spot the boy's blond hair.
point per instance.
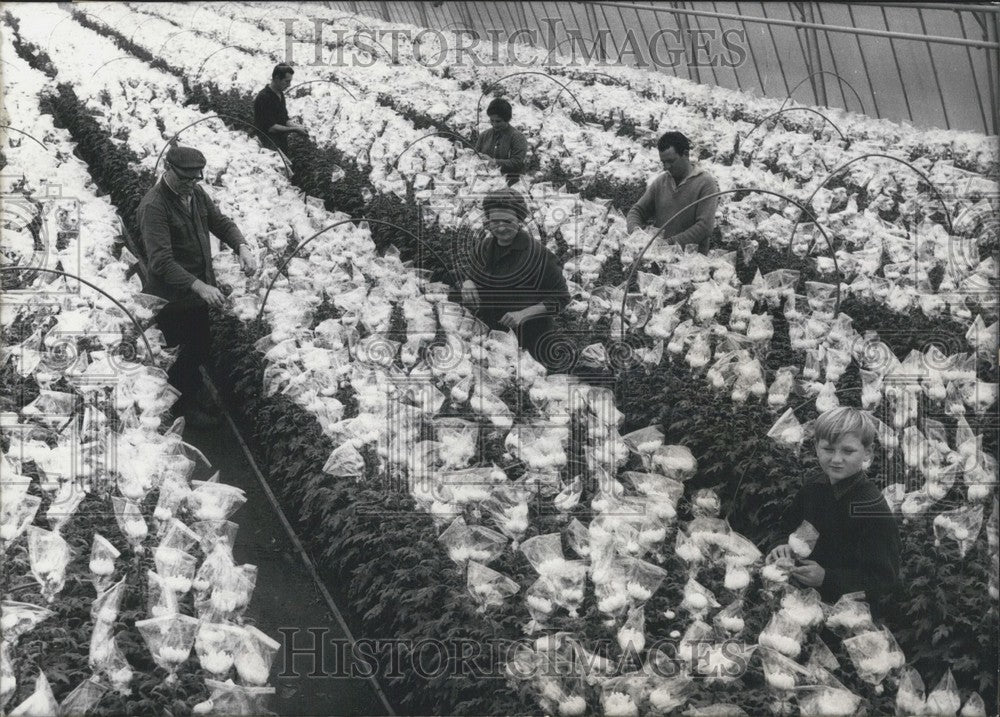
(837, 422)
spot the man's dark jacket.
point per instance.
(176, 241)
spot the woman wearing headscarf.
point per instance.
(512, 280)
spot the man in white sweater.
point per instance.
(680, 184)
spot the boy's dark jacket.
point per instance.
(858, 545)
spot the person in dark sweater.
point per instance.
(503, 143)
(513, 281)
(175, 219)
(858, 545)
(270, 114)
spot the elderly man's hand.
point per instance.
(247, 260)
(210, 294)
(513, 319)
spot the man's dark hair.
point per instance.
(501, 108)
(680, 143)
(280, 70)
(506, 199)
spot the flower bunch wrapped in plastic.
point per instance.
(107, 659)
(130, 522)
(643, 580)
(488, 587)
(40, 703)
(781, 386)
(782, 673)
(787, 431)
(49, 555)
(850, 615)
(632, 635)
(749, 381)
(783, 635)
(176, 568)
(826, 701)
(18, 618)
(803, 607)
(803, 539)
(228, 698)
(729, 620)
(675, 462)
(458, 441)
(544, 552)
(875, 654)
(542, 601)
(961, 525)
(508, 507)
(231, 591)
(464, 542)
(108, 602)
(17, 510)
(216, 645)
(169, 639)
(541, 448)
(911, 698)
(645, 442)
(254, 656)
(698, 599)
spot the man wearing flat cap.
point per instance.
(175, 218)
(513, 281)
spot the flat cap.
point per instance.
(185, 157)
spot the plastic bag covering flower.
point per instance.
(83, 698)
(17, 511)
(476, 542)
(676, 462)
(803, 607)
(487, 587)
(107, 604)
(216, 645)
(782, 635)
(911, 698)
(823, 701)
(730, 618)
(41, 702)
(169, 639)
(48, 554)
(254, 659)
(780, 672)
(698, 599)
(130, 522)
(875, 654)
(18, 618)
(850, 615)
(803, 540)
(214, 501)
(961, 525)
(106, 658)
(228, 698)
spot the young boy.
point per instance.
(858, 544)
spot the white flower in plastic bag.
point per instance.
(488, 587)
(41, 702)
(49, 555)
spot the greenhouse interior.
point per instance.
(509, 358)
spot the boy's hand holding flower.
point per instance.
(782, 551)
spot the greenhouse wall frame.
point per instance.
(916, 63)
